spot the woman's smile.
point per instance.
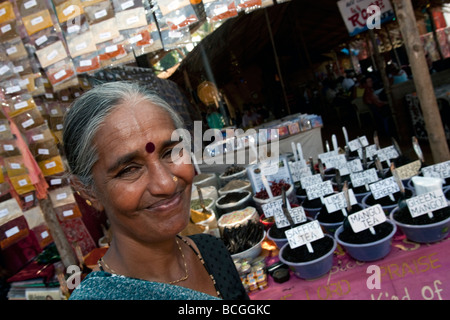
(167, 204)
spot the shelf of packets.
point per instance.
(66, 38)
(17, 182)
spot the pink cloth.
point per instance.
(411, 271)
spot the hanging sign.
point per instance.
(361, 15)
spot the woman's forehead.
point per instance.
(128, 123)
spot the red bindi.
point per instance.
(150, 147)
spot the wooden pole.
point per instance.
(62, 244)
(422, 80)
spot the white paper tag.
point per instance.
(426, 203)
(310, 180)
(438, 170)
(304, 234)
(367, 218)
(384, 188)
(365, 177)
(337, 201)
(272, 207)
(319, 190)
(12, 231)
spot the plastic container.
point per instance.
(206, 180)
(371, 251)
(311, 269)
(425, 233)
(245, 201)
(290, 195)
(369, 201)
(280, 242)
(241, 175)
(251, 253)
(246, 186)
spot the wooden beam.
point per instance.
(422, 80)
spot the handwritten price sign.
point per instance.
(304, 234)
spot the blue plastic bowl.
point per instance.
(426, 233)
(367, 251)
(311, 269)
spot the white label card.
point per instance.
(426, 202)
(272, 207)
(367, 218)
(299, 171)
(365, 177)
(337, 201)
(319, 190)
(304, 234)
(438, 170)
(356, 144)
(310, 180)
(384, 188)
(387, 153)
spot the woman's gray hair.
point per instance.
(87, 114)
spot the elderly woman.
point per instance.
(117, 140)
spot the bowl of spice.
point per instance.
(235, 185)
(231, 173)
(233, 201)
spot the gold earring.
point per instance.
(175, 179)
(89, 203)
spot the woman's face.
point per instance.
(134, 184)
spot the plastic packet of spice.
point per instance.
(248, 5)
(99, 12)
(56, 123)
(15, 166)
(68, 211)
(13, 87)
(9, 210)
(44, 38)
(6, 12)
(105, 31)
(14, 49)
(68, 10)
(38, 134)
(121, 5)
(28, 119)
(26, 66)
(27, 7)
(22, 183)
(5, 130)
(51, 166)
(42, 234)
(61, 71)
(114, 49)
(52, 108)
(81, 44)
(217, 10)
(172, 39)
(34, 216)
(44, 150)
(132, 18)
(154, 45)
(57, 181)
(20, 103)
(51, 54)
(8, 148)
(37, 21)
(74, 26)
(13, 231)
(178, 18)
(61, 196)
(9, 30)
(28, 200)
(87, 63)
(6, 70)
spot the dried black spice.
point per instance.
(301, 254)
(232, 197)
(243, 237)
